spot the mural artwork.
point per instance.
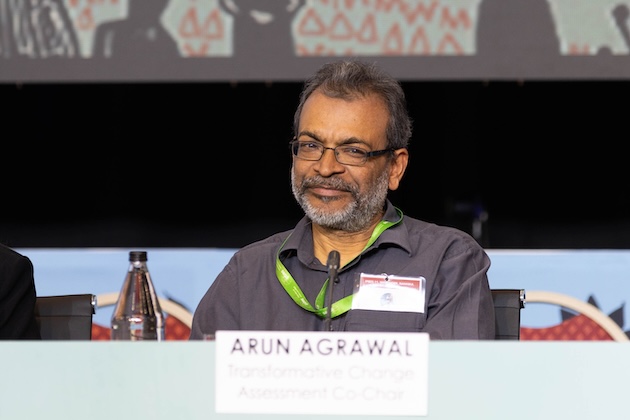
(219, 40)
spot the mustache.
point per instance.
(319, 181)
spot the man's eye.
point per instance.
(310, 146)
(353, 151)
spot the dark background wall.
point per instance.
(207, 164)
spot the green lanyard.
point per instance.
(339, 307)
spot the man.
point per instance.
(396, 273)
(17, 297)
(141, 35)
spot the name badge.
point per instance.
(382, 292)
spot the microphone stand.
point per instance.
(333, 266)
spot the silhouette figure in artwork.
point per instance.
(140, 36)
(516, 29)
(36, 29)
(620, 15)
(262, 29)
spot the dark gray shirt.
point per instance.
(247, 294)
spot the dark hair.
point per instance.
(347, 79)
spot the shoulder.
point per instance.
(253, 259)
(9, 255)
(450, 239)
(263, 247)
(15, 269)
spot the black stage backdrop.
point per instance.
(538, 164)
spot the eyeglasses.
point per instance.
(345, 154)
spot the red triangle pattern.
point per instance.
(174, 330)
(578, 328)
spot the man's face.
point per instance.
(333, 194)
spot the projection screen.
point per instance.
(284, 40)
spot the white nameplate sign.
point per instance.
(350, 373)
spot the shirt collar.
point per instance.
(397, 235)
(302, 237)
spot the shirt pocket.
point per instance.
(384, 321)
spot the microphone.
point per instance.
(333, 267)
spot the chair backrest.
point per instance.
(507, 313)
(65, 317)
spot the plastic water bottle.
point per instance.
(137, 315)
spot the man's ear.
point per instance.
(397, 167)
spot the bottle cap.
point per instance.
(137, 256)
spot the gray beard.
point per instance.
(357, 216)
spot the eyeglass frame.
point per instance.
(368, 155)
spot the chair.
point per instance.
(507, 313)
(65, 317)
